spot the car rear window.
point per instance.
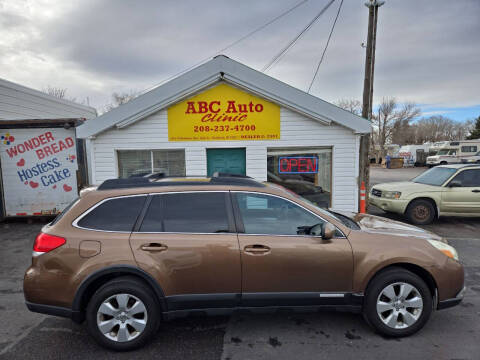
(188, 213)
(117, 214)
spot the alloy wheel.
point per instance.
(122, 317)
(399, 305)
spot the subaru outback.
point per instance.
(133, 253)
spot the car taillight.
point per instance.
(46, 242)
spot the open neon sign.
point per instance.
(298, 165)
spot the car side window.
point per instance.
(187, 213)
(117, 214)
(468, 178)
(265, 214)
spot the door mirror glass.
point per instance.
(328, 231)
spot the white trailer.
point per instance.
(38, 169)
(409, 153)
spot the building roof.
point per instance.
(19, 103)
(222, 68)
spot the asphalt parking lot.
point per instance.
(450, 334)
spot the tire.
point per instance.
(398, 319)
(131, 328)
(420, 212)
(443, 163)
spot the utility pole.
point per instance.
(364, 175)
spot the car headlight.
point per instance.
(391, 194)
(445, 248)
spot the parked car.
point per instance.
(446, 190)
(136, 252)
(475, 159)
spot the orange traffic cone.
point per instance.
(363, 205)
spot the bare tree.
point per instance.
(441, 128)
(352, 105)
(61, 93)
(120, 99)
(55, 91)
(391, 122)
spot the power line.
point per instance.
(286, 12)
(278, 56)
(326, 46)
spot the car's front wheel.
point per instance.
(421, 212)
(123, 314)
(397, 303)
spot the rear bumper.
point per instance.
(76, 316)
(445, 304)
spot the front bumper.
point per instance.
(445, 304)
(391, 205)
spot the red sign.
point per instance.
(298, 165)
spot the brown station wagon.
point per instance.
(135, 252)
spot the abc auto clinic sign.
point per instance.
(223, 113)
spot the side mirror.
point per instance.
(327, 231)
(454, 184)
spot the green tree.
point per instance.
(475, 133)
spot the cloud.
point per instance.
(427, 52)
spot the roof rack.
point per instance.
(147, 181)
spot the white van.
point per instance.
(454, 152)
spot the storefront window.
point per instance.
(141, 162)
(306, 171)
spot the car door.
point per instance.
(281, 265)
(187, 242)
(464, 197)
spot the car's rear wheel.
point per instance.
(398, 303)
(420, 212)
(123, 314)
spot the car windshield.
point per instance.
(434, 176)
(443, 152)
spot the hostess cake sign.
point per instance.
(38, 170)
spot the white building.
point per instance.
(18, 102)
(225, 116)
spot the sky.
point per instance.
(428, 52)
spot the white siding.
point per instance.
(18, 102)
(296, 131)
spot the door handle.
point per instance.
(256, 249)
(154, 247)
(476, 191)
